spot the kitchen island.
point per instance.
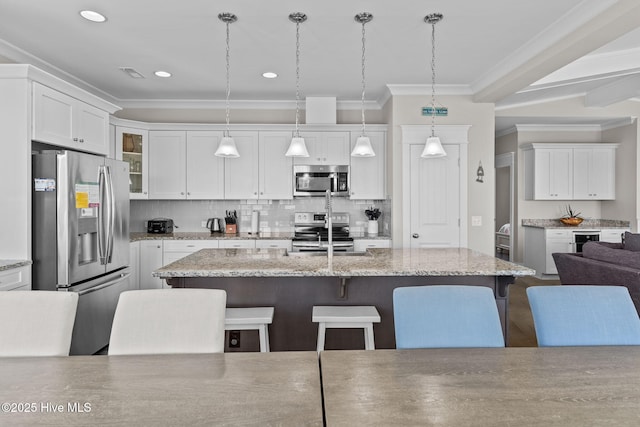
(294, 283)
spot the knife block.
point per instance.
(231, 229)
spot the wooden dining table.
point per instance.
(561, 386)
(166, 390)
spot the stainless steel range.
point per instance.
(312, 235)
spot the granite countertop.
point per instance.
(586, 224)
(205, 235)
(8, 264)
(376, 262)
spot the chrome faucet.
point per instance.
(328, 224)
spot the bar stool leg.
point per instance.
(321, 332)
(369, 343)
(264, 343)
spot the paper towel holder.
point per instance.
(254, 222)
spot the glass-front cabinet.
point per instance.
(132, 147)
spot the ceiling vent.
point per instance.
(132, 73)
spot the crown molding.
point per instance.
(425, 89)
(558, 127)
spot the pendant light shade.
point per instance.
(433, 146)
(297, 147)
(363, 146)
(227, 147)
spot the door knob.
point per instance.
(415, 235)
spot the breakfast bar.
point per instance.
(293, 283)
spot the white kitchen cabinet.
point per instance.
(182, 165)
(274, 244)
(540, 244)
(205, 171)
(594, 173)
(132, 146)
(612, 235)
(569, 171)
(167, 164)
(548, 173)
(275, 169)
(325, 148)
(62, 120)
(242, 174)
(360, 245)
(151, 260)
(237, 244)
(174, 250)
(134, 264)
(367, 174)
(16, 279)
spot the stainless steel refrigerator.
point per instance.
(81, 237)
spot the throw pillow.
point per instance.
(632, 241)
(606, 253)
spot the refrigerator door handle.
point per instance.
(115, 281)
(111, 203)
(102, 237)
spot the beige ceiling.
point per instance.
(491, 49)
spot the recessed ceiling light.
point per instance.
(93, 16)
(162, 74)
(269, 75)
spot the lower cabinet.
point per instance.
(176, 249)
(273, 244)
(150, 260)
(540, 244)
(360, 245)
(16, 279)
(134, 264)
(233, 243)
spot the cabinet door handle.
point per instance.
(75, 139)
(415, 235)
(81, 139)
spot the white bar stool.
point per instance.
(248, 319)
(346, 317)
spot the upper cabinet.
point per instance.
(594, 173)
(62, 120)
(276, 169)
(132, 146)
(368, 177)
(182, 165)
(568, 171)
(325, 148)
(241, 174)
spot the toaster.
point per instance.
(160, 226)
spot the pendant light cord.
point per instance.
(228, 80)
(433, 79)
(297, 77)
(363, 75)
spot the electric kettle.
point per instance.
(213, 224)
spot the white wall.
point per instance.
(407, 110)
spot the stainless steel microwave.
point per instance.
(315, 180)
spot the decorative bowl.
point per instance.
(571, 221)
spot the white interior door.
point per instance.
(435, 199)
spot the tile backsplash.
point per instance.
(274, 215)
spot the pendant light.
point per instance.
(433, 147)
(297, 148)
(227, 147)
(363, 146)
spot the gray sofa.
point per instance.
(602, 263)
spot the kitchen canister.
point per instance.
(372, 227)
(255, 217)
